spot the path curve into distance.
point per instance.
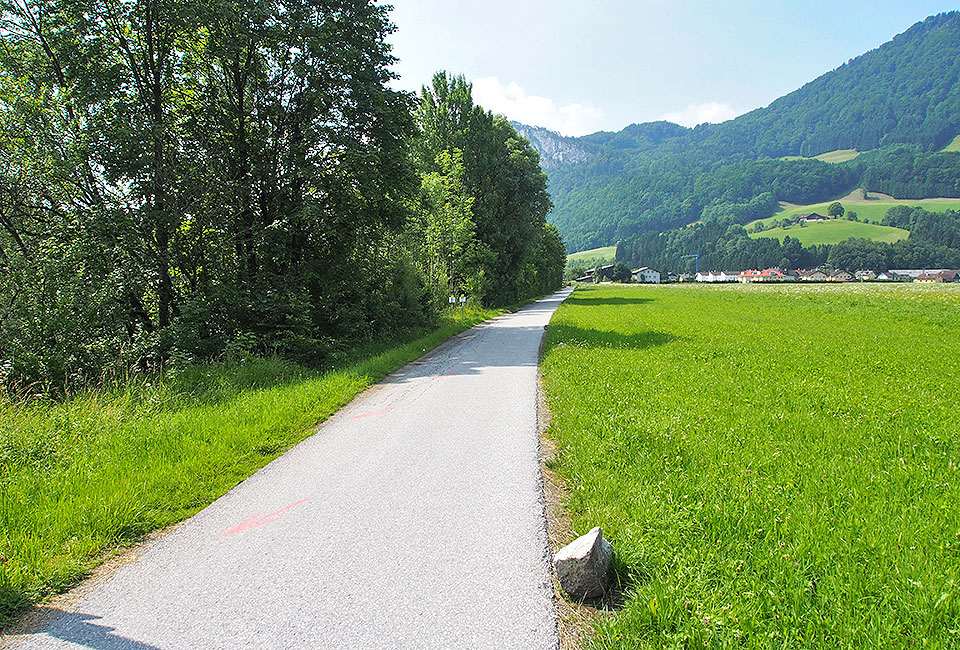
(413, 519)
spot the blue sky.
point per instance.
(579, 66)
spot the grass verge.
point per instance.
(775, 466)
(106, 467)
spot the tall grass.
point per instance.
(777, 467)
(98, 471)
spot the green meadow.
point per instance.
(833, 231)
(604, 254)
(874, 209)
(830, 232)
(84, 476)
(836, 156)
(954, 145)
(776, 466)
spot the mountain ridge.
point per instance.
(899, 103)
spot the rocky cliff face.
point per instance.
(555, 150)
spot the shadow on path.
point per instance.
(78, 628)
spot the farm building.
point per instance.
(646, 275)
(841, 276)
(946, 275)
(811, 216)
(604, 274)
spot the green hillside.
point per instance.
(606, 254)
(866, 209)
(898, 104)
(831, 232)
(954, 145)
(836, 230)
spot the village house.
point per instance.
(866, 275)
(892, 276)
(766, 275)
(841, 276)
(646, 275)
(717, 276)
(815, 275)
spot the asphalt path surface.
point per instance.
(413, 518)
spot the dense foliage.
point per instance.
(178, 179)
(510, 253)
(902, 100)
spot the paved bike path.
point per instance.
(412, 519)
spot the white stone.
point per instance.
(583, 566)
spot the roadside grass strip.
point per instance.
(84, 476)
(776, 466)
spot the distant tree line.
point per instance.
(181, 178)
(934, 242)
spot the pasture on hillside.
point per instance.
(776, 466)
(837, 156)
(604, 254)
(874, 208)
(833, 231)
(954, 145)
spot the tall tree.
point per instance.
(220, 167)
(502, 172)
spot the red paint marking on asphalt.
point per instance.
(258, 520)
(380, 412)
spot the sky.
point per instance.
(580, 66)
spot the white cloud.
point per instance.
(513, 101)
(695, 114)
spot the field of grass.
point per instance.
(99, 471)
(954, 145)
(833, 231)
(606, 254)
(837, 156)
(776, 466)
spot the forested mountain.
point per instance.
(900, 101)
